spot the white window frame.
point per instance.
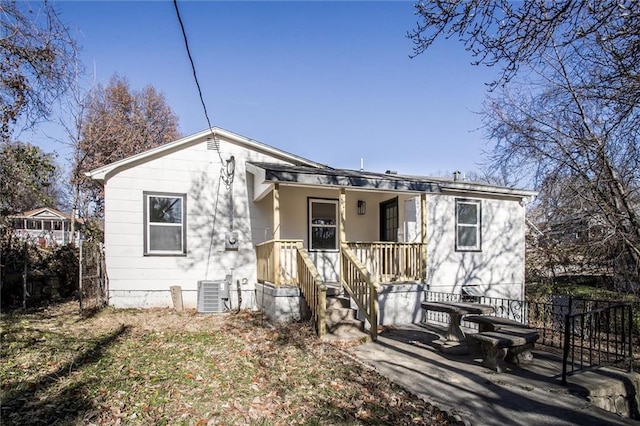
(148, 225)
(311, 225)
(477, 226)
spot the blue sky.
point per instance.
(330, 81)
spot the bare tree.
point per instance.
(36, 62)
(71, 118)
(514, 34)
(118, 122)
(565, 111)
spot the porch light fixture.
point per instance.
(362, 207)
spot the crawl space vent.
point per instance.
(211, 296)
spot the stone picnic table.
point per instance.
(454, 338)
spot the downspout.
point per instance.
(524, 203)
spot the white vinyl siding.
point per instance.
(140, 279)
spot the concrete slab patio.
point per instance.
(522, 395)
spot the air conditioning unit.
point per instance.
(212, 296)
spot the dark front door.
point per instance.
(389, 220)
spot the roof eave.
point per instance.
(100, 173)
(462, 187)
(379, 184)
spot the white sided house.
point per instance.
(235, 223)
(45, 227)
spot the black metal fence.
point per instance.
(598, 337)
(589, 329)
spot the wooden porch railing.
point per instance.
(361, 286)
(286, 262)
(391, 261)
(363, 266)
(277, 262)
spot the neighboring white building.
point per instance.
(45, 226)
(203, 207)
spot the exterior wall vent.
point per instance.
(213, 144)
(212, 295)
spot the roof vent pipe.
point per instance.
(456, 176)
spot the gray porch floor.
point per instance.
(522, 395)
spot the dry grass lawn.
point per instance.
(163, 367)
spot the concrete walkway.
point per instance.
(527, 395)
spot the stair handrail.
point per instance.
(364, 291)
(313, 289)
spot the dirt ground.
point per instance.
(158, 366)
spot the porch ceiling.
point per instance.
(303, 175)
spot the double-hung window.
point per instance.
(468, 225)
(323, 224)
(164, 224)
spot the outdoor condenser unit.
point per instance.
(212, 295)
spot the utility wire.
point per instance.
(228, 177)
(193, 67)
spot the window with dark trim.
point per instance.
(34, 224)
(323, 224)
(164, 224)
(468, 225)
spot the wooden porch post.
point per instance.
(343, 216)
(342, 211)
(276, 235)
(423, 233)
(276, 211)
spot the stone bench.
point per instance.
(489, 323)
(516, 342)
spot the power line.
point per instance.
(226, 174)
(193, 67)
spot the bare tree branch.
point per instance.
(36, 68)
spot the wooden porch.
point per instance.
(363, 266)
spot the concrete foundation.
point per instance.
(281, 304)
(400, 303)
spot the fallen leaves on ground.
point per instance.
(158, 366)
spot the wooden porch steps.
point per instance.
(341, 320)
(333, 288)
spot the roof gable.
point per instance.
(42, 213)
(108, 170)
